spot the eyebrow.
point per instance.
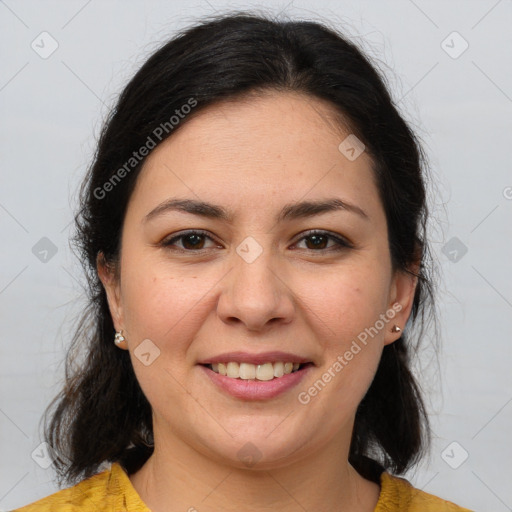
(290, 211)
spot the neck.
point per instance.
(179, 478)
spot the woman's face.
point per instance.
(255, 281)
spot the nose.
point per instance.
(256, 293)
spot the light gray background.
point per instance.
(52, 109)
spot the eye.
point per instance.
(190, 240)
(316, 241)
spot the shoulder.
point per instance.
(397, 494)
(105, 491)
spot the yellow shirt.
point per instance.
(112, 490)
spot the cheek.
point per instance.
(346, 300)
(167, 308)
(343, 311)
(162, 303)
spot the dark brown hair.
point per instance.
(102, 415)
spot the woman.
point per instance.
(253, 228)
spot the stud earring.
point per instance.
(395, 328)
(119, 338)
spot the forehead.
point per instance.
(265, 123)
(283, 146)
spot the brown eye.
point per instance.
(318, 240)
(190, 241)
(193, 241)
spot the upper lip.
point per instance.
(263, 357)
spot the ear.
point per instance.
(401, 299)
(110, 281)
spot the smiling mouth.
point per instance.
(264, 372)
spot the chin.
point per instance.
(259, 451)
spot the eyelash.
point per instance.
(341, 243)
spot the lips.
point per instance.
(254, 389)
(259, 376)
(256, 359)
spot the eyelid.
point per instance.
(167, 242)
(341, 242)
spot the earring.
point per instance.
(119, 338)
(395, 328)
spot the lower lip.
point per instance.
(256, 389)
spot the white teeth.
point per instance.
(278, 369)
(263, 371)
(233, 370)
(248, 371)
